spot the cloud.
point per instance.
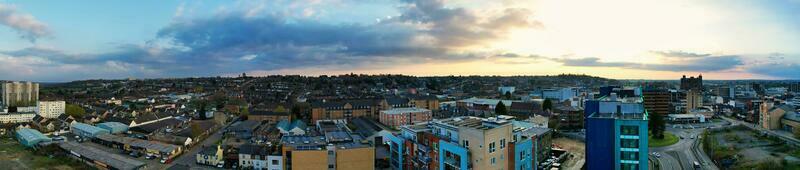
(777, 65)
(679, 54)
(240, 40)
(248, 57)
(26, 25)
(701, 64)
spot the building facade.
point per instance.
(694, 100)
(467, 143)
(692, 83)
(404, 116)
(616, 133)
(20, 94)
(51, 109)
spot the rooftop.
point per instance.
(405, 110)
(114, 160)
(474, 122)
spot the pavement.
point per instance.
(188, 158)
(683, 154)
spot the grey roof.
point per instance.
(366, 127)
(247, 125)
(114, 160)
(163, 147)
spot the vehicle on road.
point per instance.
(697, 165)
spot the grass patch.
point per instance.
(669, 139)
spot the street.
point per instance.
(683, 154)
(188, 157)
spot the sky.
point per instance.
(56, 41)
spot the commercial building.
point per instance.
(468, 143)
(404, 116)
(656, 100)
(334, 148)
(694, 100)
(31, 137)
(113, 127)
(616, 133)
(85, 130)
(128, 144)
(559, 95)
(20, 94)
(482, 106)
(99, 158)
(692, 83)
(51, 109)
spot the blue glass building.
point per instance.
(616, 133)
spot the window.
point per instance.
(502, 143)
(494, 161)
(629, 130)
(629, 143)
(629, 155)
(491, 147)
(466, 143)
(275, 162)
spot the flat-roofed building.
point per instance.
(86, 130)
(335, 148)
(405, 116)
(31, 137)
(51, 109)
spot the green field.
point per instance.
(669, 139)
(15, 156)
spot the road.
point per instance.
(683, 154)
(188, 157)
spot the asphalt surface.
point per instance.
(683, 154)
(188, 157)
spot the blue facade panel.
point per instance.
(396, 147)
(523, 152)
(454, 149)
(600, 143)
(590, 107)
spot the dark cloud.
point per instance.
(26, 25)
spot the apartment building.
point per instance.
(467, 143)
(404, 116)
(51, 109)
(616, 133)
(334, 148)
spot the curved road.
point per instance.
(683, 154)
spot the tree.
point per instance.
(500, 109)
(657, 125)
(796, 133)
(244, 113)
(74, 110)
(547, 104)
(508, 95)
(196, 130)
(553, 123)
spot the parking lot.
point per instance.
(151, 163)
